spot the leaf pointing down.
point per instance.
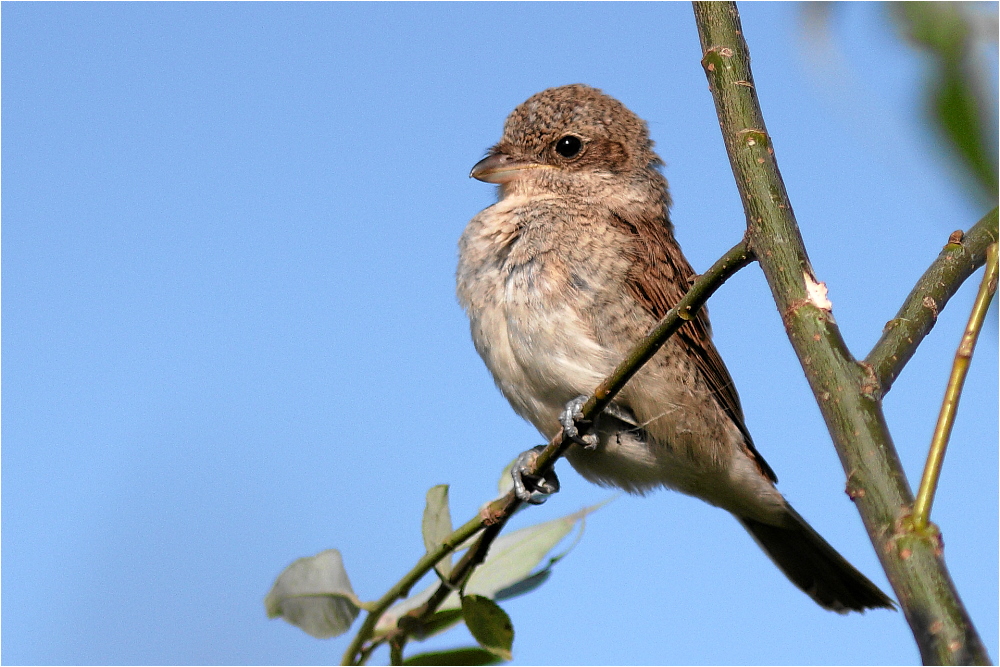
(489, 624)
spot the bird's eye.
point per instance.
(569, 146)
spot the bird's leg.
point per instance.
(528, 487)
(573, 415)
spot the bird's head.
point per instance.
(572, 140)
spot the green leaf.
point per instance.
(315, 595)
(506, 482)
(510, 561)
(392, 615)
(472, 655)
(437, 525)
(526, 585)
(958, 104)
(936, 26)
(440, 621)
(489, 624)
(955, 106)
(514, 556)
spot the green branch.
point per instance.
(495, 515)
(953, 392)
(403, 586)
(415, 620)
(734, 260)
(963, 254)
(846, 391)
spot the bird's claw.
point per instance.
(528, 487)
(573, 415)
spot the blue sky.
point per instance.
(230, 336)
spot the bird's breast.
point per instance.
(548, 330)
(528, 301)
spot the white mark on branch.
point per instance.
(816, 292)
(930, 304)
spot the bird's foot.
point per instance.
(571, 418)
(528, 487)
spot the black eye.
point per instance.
(569, 146)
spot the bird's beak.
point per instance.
(500, 168)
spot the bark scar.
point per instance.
(816, 293)
(930, 304)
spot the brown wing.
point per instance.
(658, 280)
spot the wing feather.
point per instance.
(659, 278)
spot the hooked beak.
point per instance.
(500, 168)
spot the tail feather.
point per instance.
(816, 567)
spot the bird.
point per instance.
(573, 264)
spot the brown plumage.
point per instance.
(574, 263)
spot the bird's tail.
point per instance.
(816, 567)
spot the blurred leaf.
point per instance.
(315, 594)
(526, 585)
(938, 26)
(958, 107)
(392, 615)
(538, 578)
(439, 622)
(504, 486)
(510, 561)
(506, 482)
(459, 656)
(957, 110)
(489, 624)
(437, 525)
(513, 556)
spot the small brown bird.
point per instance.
(576, 262)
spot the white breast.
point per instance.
(525, 323)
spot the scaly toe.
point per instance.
(571, 416)
(528, 487)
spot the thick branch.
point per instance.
(496, 514)
(845, 390)
(963, 254)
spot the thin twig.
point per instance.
(953, 392)
(403, 586)
(496, 514)
(734, 260)
(395, 653)
(459, 577)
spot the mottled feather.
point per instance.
(658, 280)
